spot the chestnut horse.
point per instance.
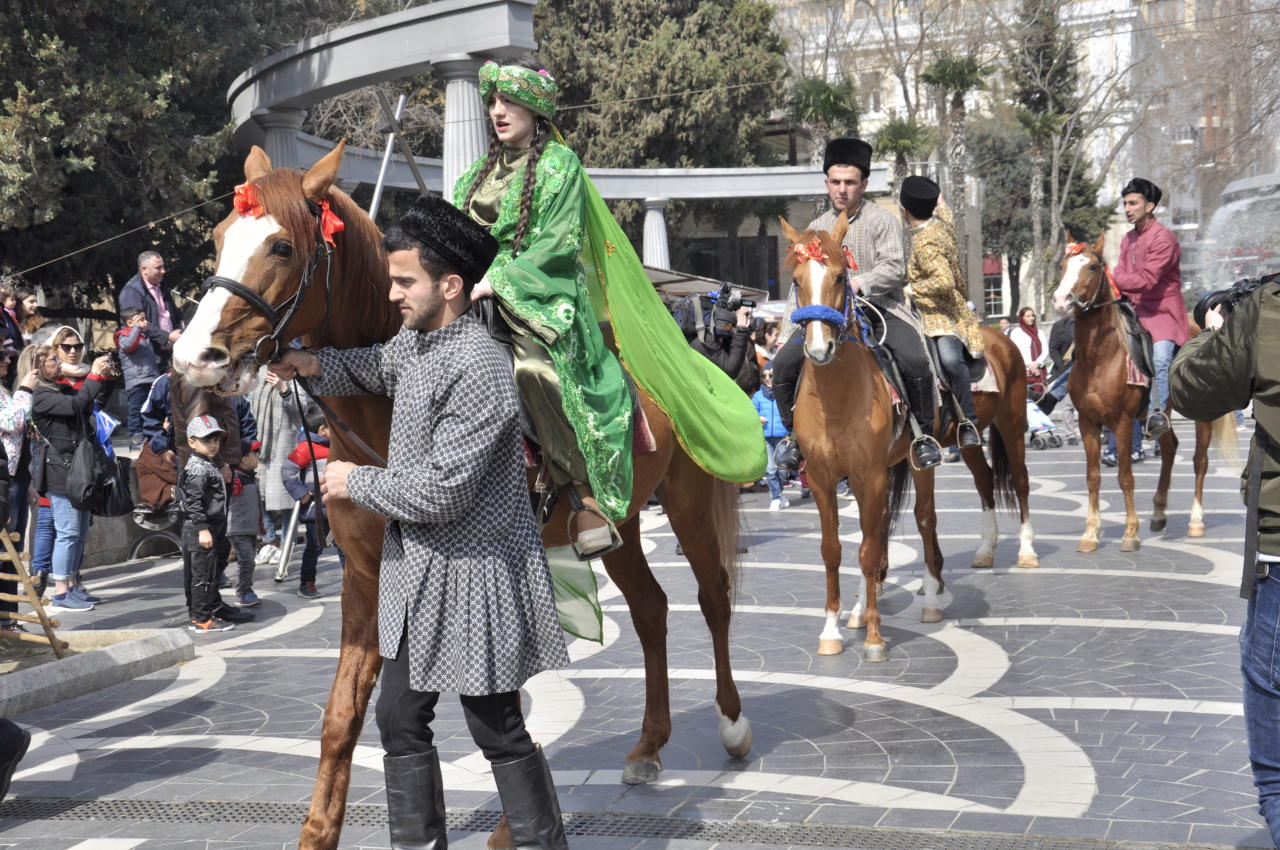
(1102, 396)
(275, 253)
(847, 428)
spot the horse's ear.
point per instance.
(316, 182)
(256, 164)
(1097, 246)
(793, 235)
(841, 228)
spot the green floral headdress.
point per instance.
(534, 89)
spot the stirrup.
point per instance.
(911, 452)
(969, 423)
(598, 541)
(1153, 433)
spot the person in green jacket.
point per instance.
(529, 191)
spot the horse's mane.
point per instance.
(360, 265)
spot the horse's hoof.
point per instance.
(931, 615)
(1087, 546)
(1159, 524)
(1029, 562)
(983, 561)
(1195, 529)
(1130, 544)
(830, 646)
(641, 772)
(735, 736)
(501, 838)
(875, 654)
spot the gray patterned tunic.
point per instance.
(463, 563)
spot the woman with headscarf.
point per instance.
(14, 410)
(1033, 344)
(62, 413)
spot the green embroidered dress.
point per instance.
(545, 288)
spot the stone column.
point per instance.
(466, 134)
(282, 127)
(656, 252)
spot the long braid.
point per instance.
(536, 146)
(490, 163)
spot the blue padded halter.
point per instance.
(840, 321)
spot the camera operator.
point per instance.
(1235, 361)
(726, 342)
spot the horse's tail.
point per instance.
(1225, 441)
(725, 524)
(1001, 472)
(899, 478)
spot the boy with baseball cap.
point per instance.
(202, 493)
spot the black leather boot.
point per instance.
(925, 453)
(967, 436)
(1157, 424)
(415, 801)
(1047, 403)
(529, 799)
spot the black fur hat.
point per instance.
(1145, 188)
(848, 152)
(919, 196)
(465, 246)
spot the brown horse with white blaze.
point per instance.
(1101, 394)
(285, 284)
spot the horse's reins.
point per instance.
(1085, 306)
(248, 204)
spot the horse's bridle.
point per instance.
(291, 305)
(842, 322)
(1087, 305)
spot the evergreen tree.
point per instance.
(113, 115)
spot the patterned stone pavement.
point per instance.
(1093, 700)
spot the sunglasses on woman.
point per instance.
(70, 348)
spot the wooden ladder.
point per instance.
(23, 577)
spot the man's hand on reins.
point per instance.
(333, 482)
(293, 363)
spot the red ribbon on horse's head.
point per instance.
(247, 202)
(329, 223)
(814, 251)
(1076, 248)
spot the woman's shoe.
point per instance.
(595, 539)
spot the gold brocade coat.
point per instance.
(936, 285)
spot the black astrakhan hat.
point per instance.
(919, 196)
(848, 152)
(1143, 187)
(465, 246)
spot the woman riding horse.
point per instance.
(528, 190)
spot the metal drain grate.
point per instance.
(596, 825)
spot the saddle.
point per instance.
(1138, 339)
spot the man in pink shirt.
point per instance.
(1149, 274)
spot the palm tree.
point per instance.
(825, 110)
(957, 76)
(1041, 128)
(904, 139)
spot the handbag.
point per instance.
(88, 471)
(117, 493)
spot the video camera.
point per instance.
(715, 310)
(1229, 297)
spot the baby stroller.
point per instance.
(1041, 428)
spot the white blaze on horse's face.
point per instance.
(1070, 275)
(195, 354)
(819, 340)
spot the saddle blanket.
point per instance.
(987, 383)
(1134, 376)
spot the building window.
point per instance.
(1164, 12)
(992, 286)
(863, 9)
(870, 85)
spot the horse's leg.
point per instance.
(1091, 439)
(628, 569)
(927, 525)
(823, 487)
(984, 480)
(1204, 433)
(1012, 431)
(872, 493)
(1124, 474)
(698, 504)
(359, 663)
(1168, 448)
